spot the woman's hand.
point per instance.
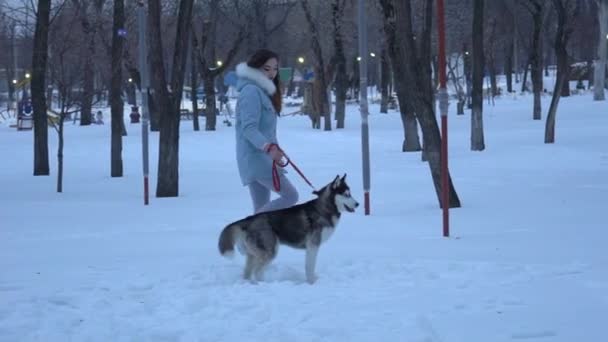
(275, 153)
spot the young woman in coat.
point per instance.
(257, 110)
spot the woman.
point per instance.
(257, 110)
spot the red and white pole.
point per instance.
(443, 108)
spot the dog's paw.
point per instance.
(311, 279)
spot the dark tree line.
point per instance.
(207, 38)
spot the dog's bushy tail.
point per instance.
(228, 238)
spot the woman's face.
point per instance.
(270, 68)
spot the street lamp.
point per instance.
(372, 54)
(27, 75)
(219, 63)
(301, 60)
(14, 81)
(359, 59)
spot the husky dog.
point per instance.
(303, 226)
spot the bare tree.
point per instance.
(10, 64)
(84, 13)
(338, 61)
(536, 9)
(417, 79)
(39, 66)
(411, 140)
(207, 47)
(169, 102)
(600, 64)
(194, 79)
(67, 79)
(511, 45)
(320, 84)
(477, 139)
(566, 10)
(454, 66)
(260, 12)
(385, 79)
(116, 102)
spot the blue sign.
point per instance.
(308, 75)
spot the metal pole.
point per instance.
(143, 90)
(363, 101)
(443, 108)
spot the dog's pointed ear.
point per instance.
(336, 182)
(344, 177)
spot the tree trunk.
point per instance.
(339, 61)
(153, 111)
(524, 87)
(320, 98)
(419, 83)
(307, 104)
(565, 91)
(88, 83)
(509, 68)
(60, 153)
(385, 75)
(292, 85)
(468, 76)
(477, 139)
(589, 73)
(210, 114)
(88, 88)
(599, 78)
(116, 102)
(11, 65)
(39, 64)
(319, 104)
(411, 140)
(536, 67)
(561, 42)
(194, 82)
(493, 80)
(168, 156)
(341, 89)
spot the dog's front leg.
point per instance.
(311, 260)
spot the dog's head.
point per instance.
(340, 192)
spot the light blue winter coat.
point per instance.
(256, 124)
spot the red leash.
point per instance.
(276, 180)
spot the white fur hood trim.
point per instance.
(255, 75)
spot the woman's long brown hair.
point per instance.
(257, 60)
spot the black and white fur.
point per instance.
(303, 226)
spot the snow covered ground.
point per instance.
(526, 260)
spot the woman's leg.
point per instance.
(288, 195)
(260, 195)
